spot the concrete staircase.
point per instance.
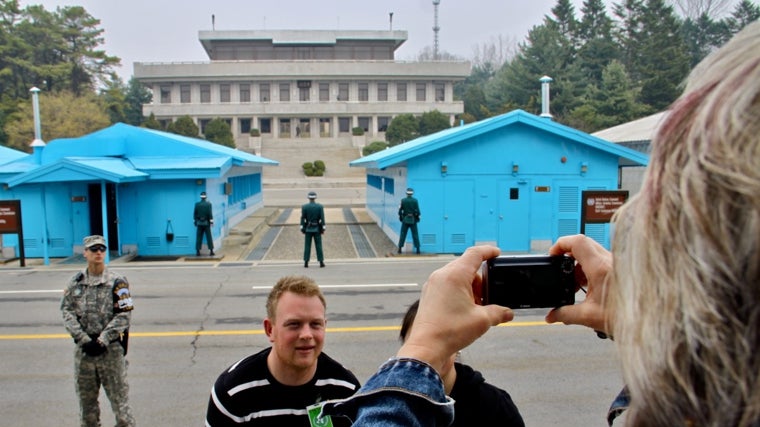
(286, 185)
(292, 153)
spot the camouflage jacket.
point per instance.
(102, 309)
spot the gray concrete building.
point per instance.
(301, 84)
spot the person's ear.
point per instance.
(268, 328)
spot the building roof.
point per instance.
(209, 39)
(400, 153)
(8, 155)
(123, 153)
(639, 130)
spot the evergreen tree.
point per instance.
(152, 123)
(549, 50)
(663, 58)
(744, 13)
(596, 46)
(112, 97)
(134, 98)
(404, 127)
(432, 122)
(612, 103)
(218, 131)
(184, 126)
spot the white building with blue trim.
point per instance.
(514, 181)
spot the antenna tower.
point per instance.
(436, 28)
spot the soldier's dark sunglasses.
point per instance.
(98, 248)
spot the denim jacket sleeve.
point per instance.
(403, 392)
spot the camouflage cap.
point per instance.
(94, 240)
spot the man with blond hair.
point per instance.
(284, 384)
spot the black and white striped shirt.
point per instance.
(246, 394)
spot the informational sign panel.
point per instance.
(598, 206)
(10, 216)
(10, 223)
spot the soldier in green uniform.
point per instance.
(96, 308)
(409, 215)
(312, 226)
(203, 216)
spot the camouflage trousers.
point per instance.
(110, 371)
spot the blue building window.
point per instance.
(243, 187)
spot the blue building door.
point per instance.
(458, 216)
(514, 216)
(57, 209)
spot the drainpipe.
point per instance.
(38, 144)
(545, 80)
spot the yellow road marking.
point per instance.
(238, 332)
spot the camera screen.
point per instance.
(529, 281)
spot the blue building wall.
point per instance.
(145, 211)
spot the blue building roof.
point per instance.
(123, 153)
(8, 155)
(400, 153)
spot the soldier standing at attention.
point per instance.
(203, 216)
(409, 215)
(312, 226)
(96, 309)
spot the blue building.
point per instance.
(514, 181)
(135, 186)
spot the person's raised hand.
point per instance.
(450, 317)
(592, 271)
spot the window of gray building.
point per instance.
(166, 94)
(265, 125)
(363, 91)
(382, 123)
(342, 91)
(224, 92)
(364, 123)
(420, 91)
(325, 125)
(303, 94)
(440, 92)
(202, 124)
(264, 95)
(245, 126)
(344, 124)
(400, 91)
(184, 94)
(285, 128)
(284, 92)
(245, 92)
(205, 93)
(382, 91)
(303, 129)
(324, 92)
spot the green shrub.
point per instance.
(319, 165)
(357, 131)
(255, 132)
(308, 168)
(374, 147)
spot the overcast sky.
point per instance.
(167, 30)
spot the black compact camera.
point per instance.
(529, 281)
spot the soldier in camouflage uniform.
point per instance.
(96, 309)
